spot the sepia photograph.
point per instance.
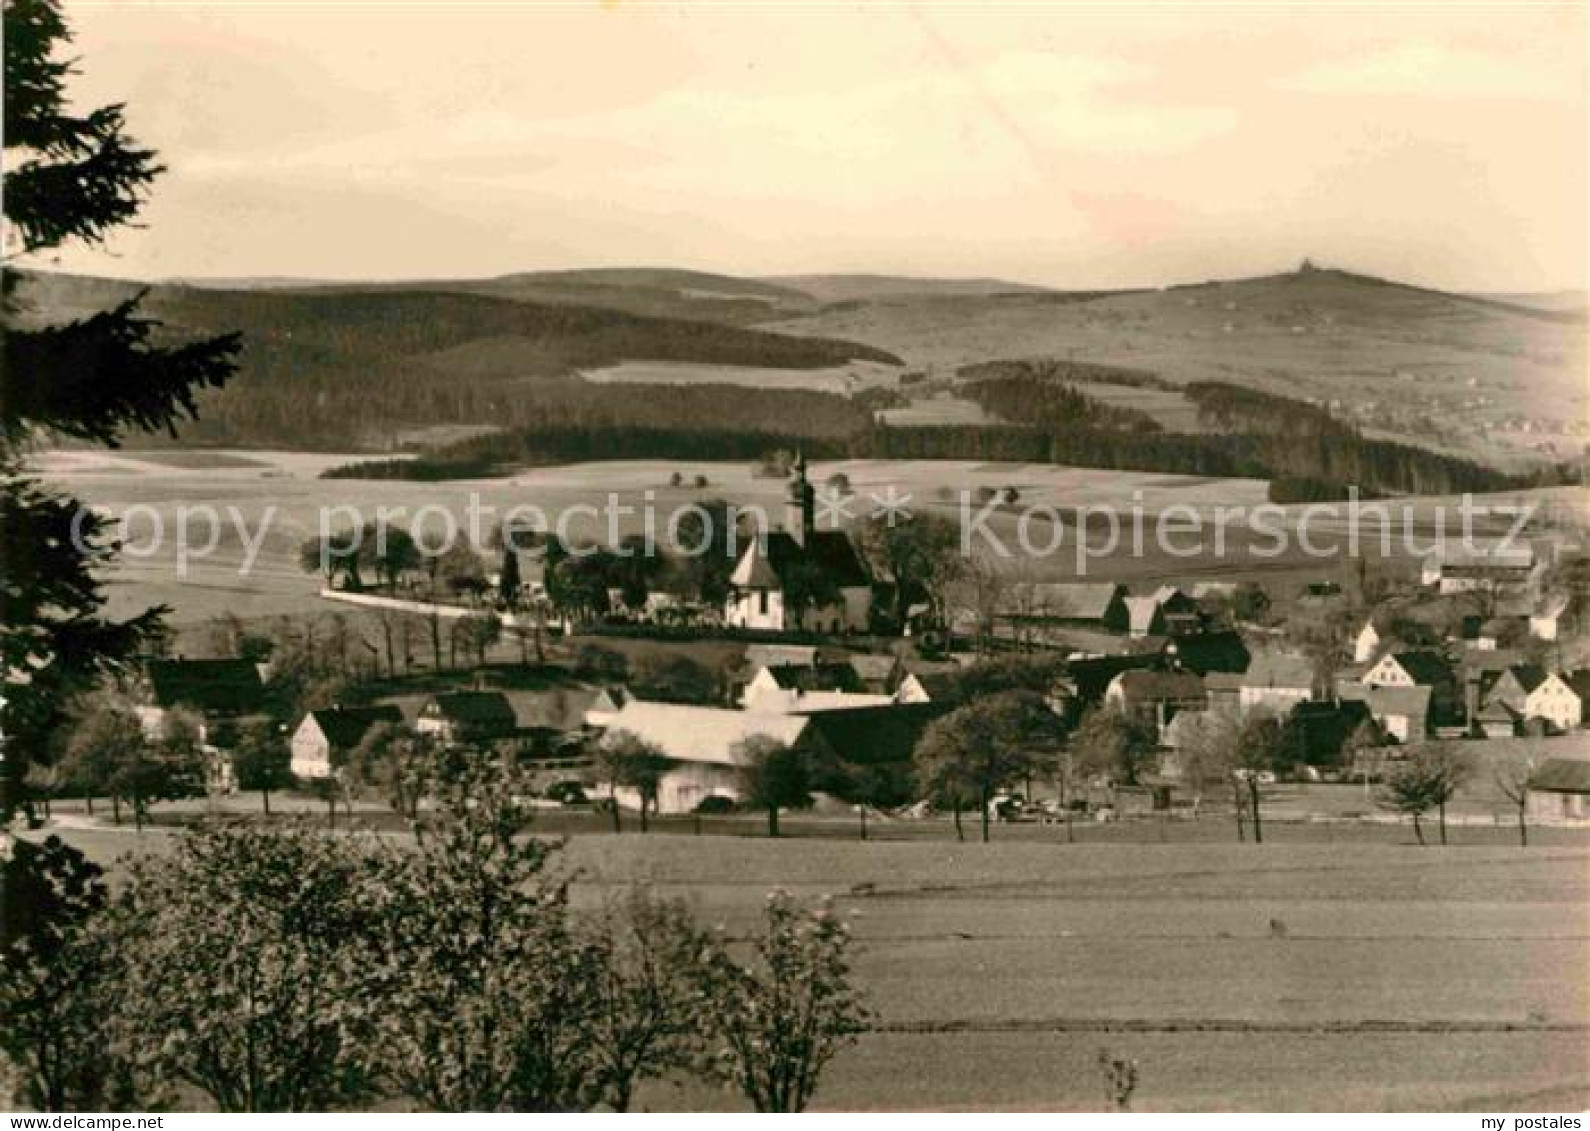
(571, 556)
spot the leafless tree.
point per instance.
(1512, 782)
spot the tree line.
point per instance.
(283, 969)
(1048, 423)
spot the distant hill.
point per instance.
(1488, 378)
(658, 292)
(661, 278)
(1577, 302)
(345, 367)
(871, 288)
(1499, 378)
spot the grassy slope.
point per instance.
(1412, 362)
(868, 288)
(1034, 956)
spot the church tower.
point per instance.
(800, 508)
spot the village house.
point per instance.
(774, 679)
(1529, 692)
(701, 744)
(875, 743)
(221, 693)
(1096, 606)
(1275, 682)
(1488, 568)
(1559, 791)
(1156, 696)
(779, 566)
(1180, 613)
(1402, 713)
(1409, 669)
(457, 718)
(323, 739)
(554, 722)
(1421, 668)
(1496, 720)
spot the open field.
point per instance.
(840, 380)
(275, 500)
(1405, 978)
(939, 409)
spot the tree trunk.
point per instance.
(1440, 816)
(1418, 830)
(1523, 827)
(1236, 799)
(265, 798)
(88, 799)
(984, 810)
(1253, 795)
(862, 809)
(115, 808)
(612, 800)
(644, 806)
(960, 832)
(772, 820)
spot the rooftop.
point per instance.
(220, 686)
(703, 734)
(1562, 775)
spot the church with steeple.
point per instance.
(796, 577)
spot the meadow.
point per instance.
(841, 379)
(1358, 975)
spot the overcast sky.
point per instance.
(1074, 145)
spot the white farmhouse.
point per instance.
(702, 745)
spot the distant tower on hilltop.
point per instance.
(800, 507)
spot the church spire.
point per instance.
(800, 508)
